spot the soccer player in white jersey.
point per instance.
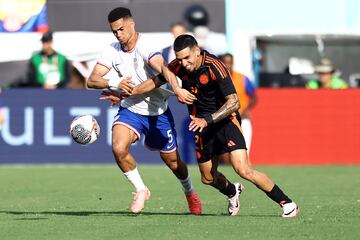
(146, 114)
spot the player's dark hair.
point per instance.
(183, 41)
(118, 13)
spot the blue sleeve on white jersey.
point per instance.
(153, 55)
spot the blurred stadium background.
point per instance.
(276, 43)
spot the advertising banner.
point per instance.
(290, 127)
(37, 122)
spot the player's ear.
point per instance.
(131, 22)
(197, 51)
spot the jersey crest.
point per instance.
(203, 79)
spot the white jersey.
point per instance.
(134, 64)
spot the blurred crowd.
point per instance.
(47, 68)
(50, 69)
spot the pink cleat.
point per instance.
(194, 203)
(140, 198)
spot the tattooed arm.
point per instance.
(231, 105)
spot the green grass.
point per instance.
(90, 202)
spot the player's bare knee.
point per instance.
(172, 165)
(119, 151)
(246, 173)
(207, 180)
(170, 160)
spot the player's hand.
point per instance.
(127, 85)
(184, 96)
(113, 96)
(197, 124)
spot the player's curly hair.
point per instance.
(183, 41)
(118, 13)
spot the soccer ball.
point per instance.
(84, 129)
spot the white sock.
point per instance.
(135, 179)
(187, 186)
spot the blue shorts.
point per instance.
(159, 131)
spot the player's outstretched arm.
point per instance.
(184, 96)
(96, 79)
(115, 97)
(147, 86)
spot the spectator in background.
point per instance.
(48, 68)
(247, 97)
(176, 30)
(327, 79)
(23, 16)
(198, 19)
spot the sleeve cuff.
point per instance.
(161, 78)
(208, 118)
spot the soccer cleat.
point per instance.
(290, 210)
(194, 203)
(140, 198)
(234, 202)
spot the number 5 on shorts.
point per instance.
(170, 135)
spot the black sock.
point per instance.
(278, 196)
(229, 190)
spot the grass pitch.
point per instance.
(91, 202)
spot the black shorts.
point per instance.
(217, 139)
